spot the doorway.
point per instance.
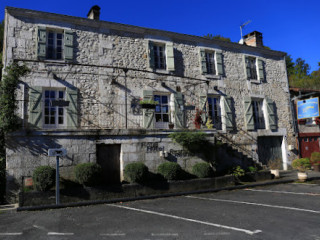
(108, 157)
(269, 148)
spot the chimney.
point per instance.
(94, 13)
(253, 39)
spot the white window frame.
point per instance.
(211, 62)
(55, 42)
(157, 58)
(217, 111)
(56, 116)
(161, 124)
(259, 112)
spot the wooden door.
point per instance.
(269, 148)
(308, 145)
(108, 157)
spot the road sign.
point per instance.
(57, 152)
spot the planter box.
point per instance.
(148, 106)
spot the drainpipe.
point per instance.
(125, 70)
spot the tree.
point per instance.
(216, 37)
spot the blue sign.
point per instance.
(308, 108)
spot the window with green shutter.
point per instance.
(35, 107)
(248, 109)
(228, 114)
(42, 43)
(148, 114)
(161, 56)
(72, 109)
(211, 62)
(254, 68)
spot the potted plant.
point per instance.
(197, 119)
(274, 165)
(315, 161)
(148, 104)
(302, 165)
(171, 125)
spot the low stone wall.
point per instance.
(83, 194)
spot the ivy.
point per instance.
(8, 103)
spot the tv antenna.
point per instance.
(243, 25)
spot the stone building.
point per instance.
(88, 76)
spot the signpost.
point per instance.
(57, 152)
(308, 108)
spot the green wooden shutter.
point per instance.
(261, 70)
(151, 54)
(35, 107)
(249, 114)
(170, 56)
(271, 114)
(72, 109)
(178, 113)
(247, 67)
(202, 106)
(203, 62)
(42, 43)
(228, 112)
(148, 114)
(68, 45)
(219, 63)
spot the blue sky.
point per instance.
(291, 26)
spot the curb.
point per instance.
(96, 202)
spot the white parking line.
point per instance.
(59, 234)
(164, 234)
(284, 192)
(113, 234)
(188, 219)
(256, 204)
(11, 234)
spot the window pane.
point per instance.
(60, 120)
(165, 117)
(46, 120)
(46, 111)
(52, 94)
(61, 94)
(47, 102)
(158, 118)
(164, 99)
(157, 98)
(158, 108)
(164, 109)
(52, 120)
(60, 111)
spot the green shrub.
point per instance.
(136, 172)
(88, 174)
(315, 158)
(252, 169)
(202, 170)
(170, 170)
(189, 140)
(43, 178)
(237, 172)
(301, 164)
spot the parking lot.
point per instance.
(286, 211)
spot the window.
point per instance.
(210, 63)
(162, 111)
(215, 111)
(54, 45)
(258, 115)
(254, 68)
(159, 57)
(54, 116)
(251, 68)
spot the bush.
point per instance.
(170, 170)
(252, 169)
(88, 174)
(189, 140)
(43, 178)
(202, 170)
(136, 172)
(315, 158)
(301, 164)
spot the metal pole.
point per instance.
(57, 182)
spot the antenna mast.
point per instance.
(243, 25)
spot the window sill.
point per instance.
(54, 61)
(213, 76)
(254, 81)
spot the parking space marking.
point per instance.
(11, 234)
(59, 234)
(164, 234)
(256, 204)
(113, 234)
(188, 219)
(284, 192)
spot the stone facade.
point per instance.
(110, 69)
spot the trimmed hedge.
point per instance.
(202, 170)
(170, 170)
(88, 174)
(43, 178)
(136, 172)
